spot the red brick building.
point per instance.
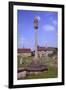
(24, 52)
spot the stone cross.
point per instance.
(36, 35)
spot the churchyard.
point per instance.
(50, 61)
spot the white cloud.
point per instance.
(48, 27)
(55, 22)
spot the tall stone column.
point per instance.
(36, 66)
(36, 35)
(36, 43)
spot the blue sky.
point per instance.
(47, 31)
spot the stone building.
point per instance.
(24, 52)
(43, 51)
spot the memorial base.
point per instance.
(36, 66)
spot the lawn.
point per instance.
(50, 73)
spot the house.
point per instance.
(24, 52)
(45, 51)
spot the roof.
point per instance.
(24, 50)
(46, 48)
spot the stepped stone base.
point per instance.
(36, 66)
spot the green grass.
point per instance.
(26, 61)
(50, 73)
